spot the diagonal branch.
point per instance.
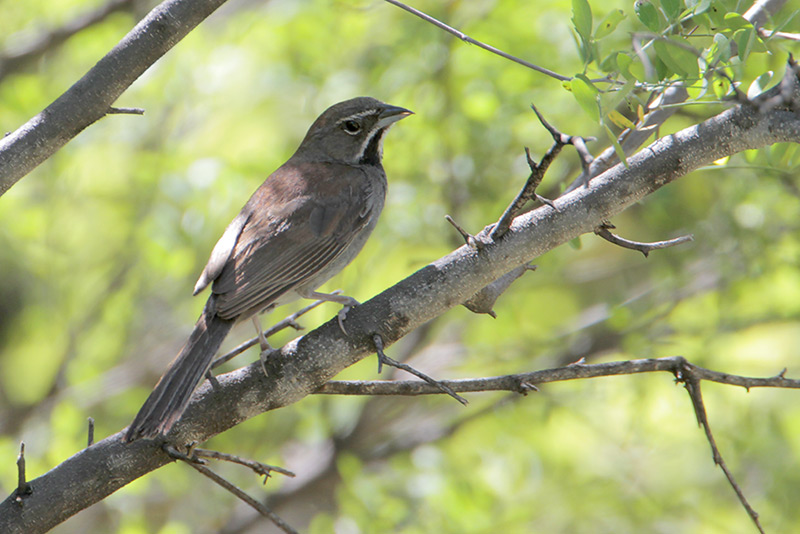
(467, 39)
(692, 384)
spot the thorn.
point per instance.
(90, 439)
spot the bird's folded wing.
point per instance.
(285, 248)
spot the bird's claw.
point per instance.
(342, 315)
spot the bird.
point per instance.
(304, 224)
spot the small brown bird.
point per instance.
(303, 225)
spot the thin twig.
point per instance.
(192, 460)
(466, 38)
(125, 111)
(469, 239)
(23, 488)
(383, 359)
(258, 467)
(90, 437)
(290, 321)
(644, 248)
(558, 374)
(692, 384)
(259, 507)
(538, 171)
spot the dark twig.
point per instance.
(383, 359)
(23, 488)
(692, 384)
(259, 507)
(538, 171)
(469, 239)
(470, 40)
(287, 322)
(574, 371)
(258, 467)
(125, 111)
(644, 248)
(192, 460)
(90, 437)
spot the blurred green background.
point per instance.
(101, 245)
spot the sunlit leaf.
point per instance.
(620, 120)
(585, 94)
(582, 18)
(759, 85)
(672, 8)
(609, 23)
(648, 15)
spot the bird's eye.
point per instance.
(351, 127)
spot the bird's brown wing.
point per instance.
(291, 235)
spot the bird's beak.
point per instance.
(392, 114)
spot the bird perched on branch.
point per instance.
(304, 224)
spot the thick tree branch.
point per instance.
(90, 98)
(307, 363)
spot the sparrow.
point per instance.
(304, 224)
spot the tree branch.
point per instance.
(521, 382)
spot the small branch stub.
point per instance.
(23, 488)
(644, 248)
(90, 433)
(483, 301)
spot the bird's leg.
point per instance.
(344, 300)
(262, 339)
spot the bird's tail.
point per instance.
(168, 400)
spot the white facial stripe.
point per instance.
(359, 115)
(375, 130)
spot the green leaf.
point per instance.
(586, 94)
(617, 147)
(609, 23)
(648, 14)
(759, 85)
(734, 21)
(677, 58)
(620, 120)
(744, 42)
(582, 18)
(698, 6)
(720, 49)
(717, 13)
(624, 65)
(672, 8)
